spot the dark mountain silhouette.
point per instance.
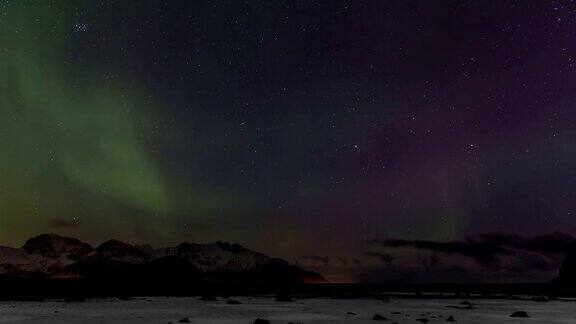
(567, 274)
(54, 256)
(54, 246)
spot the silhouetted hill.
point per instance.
(54, 256)
(567, 274)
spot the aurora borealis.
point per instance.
(304, 129)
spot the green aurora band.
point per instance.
(62, 140)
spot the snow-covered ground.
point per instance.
(172, 309)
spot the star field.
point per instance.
(293, 127)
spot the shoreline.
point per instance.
(43, 288)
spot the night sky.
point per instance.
(369, 140)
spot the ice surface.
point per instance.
(172, 309)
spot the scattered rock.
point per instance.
(450, 319)
(185, 320)
(379, 317)
(383, 298)
(208, 298)
(126, 298)
(513, 297)
(462, 307)
(541, 299)
(284, 298)
(261, 321)
(233, 302)
(522, 314)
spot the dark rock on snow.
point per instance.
(522, 314)
(379, 317)
(208, 298)
(463, 305)
(261, 321)
(541, 299)
(233, 302)
(284, 298)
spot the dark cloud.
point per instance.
(487, 249)
(483, 252)
(397, 274)
(555, 243)
(532, 261)
(322, 259)
(384, 257)
(431, 261)
(495, 258)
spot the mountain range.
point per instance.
(55, 256)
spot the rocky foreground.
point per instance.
(267, 310)
(54, 256)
